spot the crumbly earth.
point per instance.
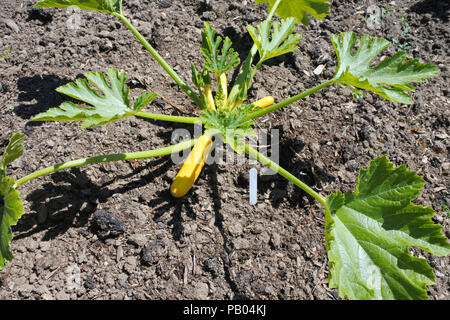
(212, 244)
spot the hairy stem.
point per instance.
(272, 11)
(286, 102)
(284, 173)
(179, 119)
(107, 158)
(161, 61)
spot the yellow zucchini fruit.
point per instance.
(209, 97)
(224, 85)
(264, 102)
(191, 168)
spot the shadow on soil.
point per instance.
(62, 206)
(217, 206)
(38, 94)
(71, 198)
(242, 44)
(439, 9)
(280, 189)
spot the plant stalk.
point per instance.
(246, 72)
(161, 61)
(108, 158)
(286, 102)
(272, 11)
(284, 173)
(179, 119)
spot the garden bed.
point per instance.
(212, 244)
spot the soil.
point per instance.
(212, 244)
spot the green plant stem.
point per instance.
(108, 158)
(284, 173)
(161, 61)
(179, 119)
(286, 102)
(272, 11)
(246, 74)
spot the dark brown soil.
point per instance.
(212, 244)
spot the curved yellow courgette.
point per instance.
(192, 167)
(209, 98)
(264, 102)
(224, 85)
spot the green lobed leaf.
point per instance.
(108, 6)
(143, 100)
(243, 82)
(13, 151)
(277, 42)
(200, 79)
(391, 78)
(11, 209)
(300, 8)
(232, 125)
(210, 50)
(369, 232)
(113, 105)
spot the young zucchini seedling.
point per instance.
(369, 229)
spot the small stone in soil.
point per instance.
(364, 133)
(89, 283)
(201, 291)
(5, 87)
(10, 24)
(159, 103)
(106, 45)
(107, 225)
(212, 266)
(165, 4)
(137, 239)
(152, 251)
(275, 240)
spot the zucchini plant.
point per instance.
(367, 232)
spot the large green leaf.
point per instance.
(13, 151)
(276, 42)
(113, 105)
(108, 6)
(369, 232)
(391, 78)
(11, 209)
(300, 8)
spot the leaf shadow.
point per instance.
(38, 94)
(280, 189)
(242, 44)
(72, 197)
(217, 206)
(168, 211)
(439, 9)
